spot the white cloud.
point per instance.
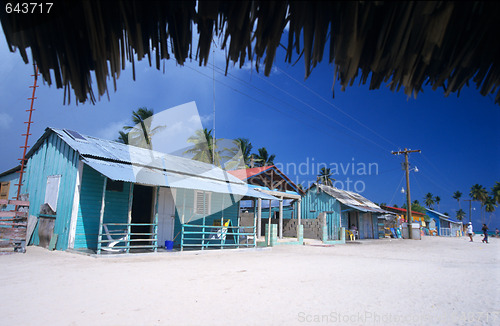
(5, 120)
(111, 130)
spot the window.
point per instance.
(4, 190)
(202, 202)
(114, 185)
(52, 191)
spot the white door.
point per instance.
(166, 215)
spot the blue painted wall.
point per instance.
(289, 212)
(185, 203)
(115, 211)
(53, 157)
(315, 202)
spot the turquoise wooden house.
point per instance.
(443, 225)
(335, 211)
(93, 194)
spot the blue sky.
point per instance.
(296, 119)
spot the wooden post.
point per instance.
(259, 218)
(269, 225)
(281, 219)
(299, 214)
(155, 223)
(101, 215)
(129, 219)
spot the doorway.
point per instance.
(142, 208)
(166, 215)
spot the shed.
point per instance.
(342, 210)
(95, 192)
(443, 225)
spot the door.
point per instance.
(366, 227)
(166, 215)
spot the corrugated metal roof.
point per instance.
(401, 210)
(352, 199)
(133, 164)
(157, 177)
(108, 150)
(443, 217)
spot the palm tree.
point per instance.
(479, 193)
(204, 147)
(437, 199)
(489, 206)
(243, 146)
(123, 137)
(263, 158)
(456, 195)
(460, 214)
(429, 200)
(325, 177)
(140, 133)
(495, 192)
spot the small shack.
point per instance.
(443, 225)
(93, 194)
(338, 211)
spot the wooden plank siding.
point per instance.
(314, 202)
(116, 208)
(53, 157)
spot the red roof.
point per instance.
(244, 174)
(402, 210)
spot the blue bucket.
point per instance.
(169, 245)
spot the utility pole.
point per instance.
(409, 219)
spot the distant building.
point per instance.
(443, 225)
(342, 210)
(284, 211)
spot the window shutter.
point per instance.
(199, 208)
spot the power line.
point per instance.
(336, 107)
(219, 70)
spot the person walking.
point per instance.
(485, 232)
(469, 231)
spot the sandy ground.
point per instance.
(435, 281)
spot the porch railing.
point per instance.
(204, 236)
(118, 237)
(445, 232)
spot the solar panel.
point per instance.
(75, 135)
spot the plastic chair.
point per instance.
(349, 235)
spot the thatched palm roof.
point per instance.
(409, 44)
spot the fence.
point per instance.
(13, 225)
(120, 237)
(445, 232)
(204, 236)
